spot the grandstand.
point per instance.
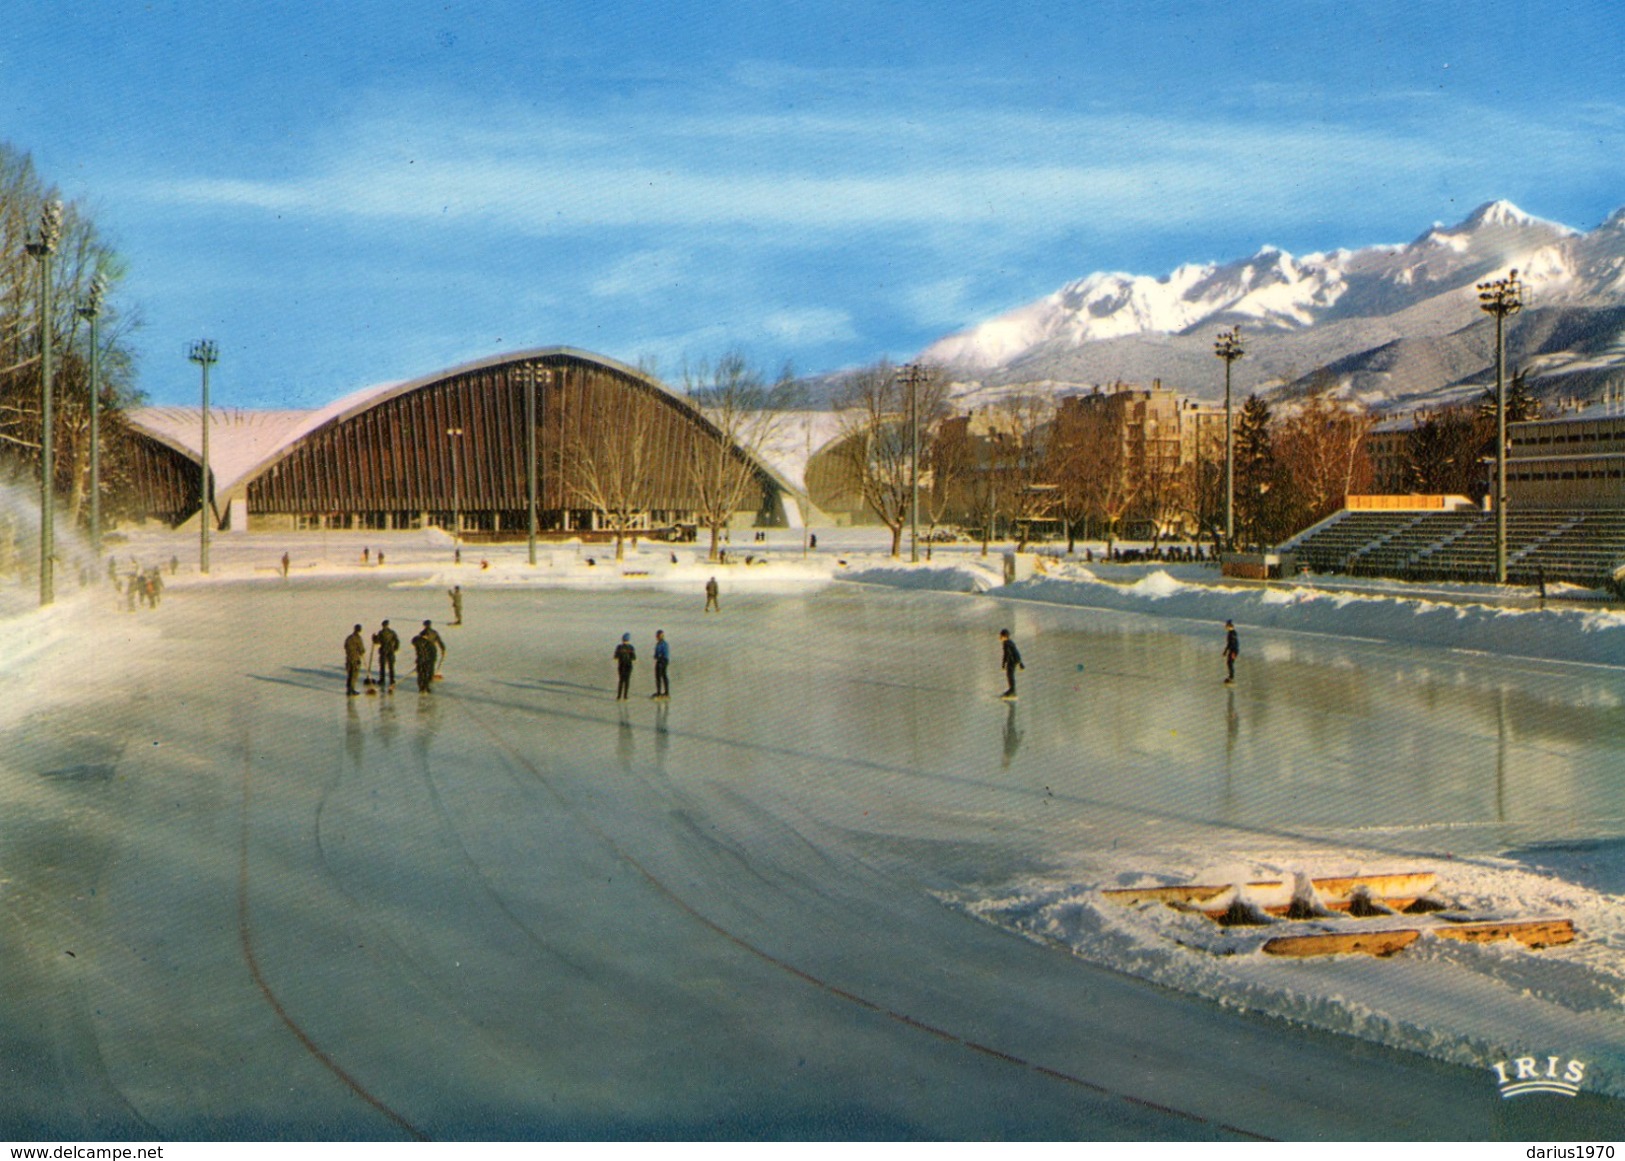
(1583, 546)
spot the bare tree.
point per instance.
(949, 458)
(747, 414)
(876, 442)
(79, 257)
(1023, 423)
(609, 459)
(1321, 453)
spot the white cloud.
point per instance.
(641, 275)
(808, 325)
(790, 174)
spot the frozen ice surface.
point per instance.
(832, 889)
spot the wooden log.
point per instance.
(1177, 893)
(1378, 943)
(1397, 890)
(1547, 932)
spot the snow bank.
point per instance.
(1468, 1003)
(942, 577)
(1561, 634)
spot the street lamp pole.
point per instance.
(911, 373)
(90, 311)
(456, 434)
(1228, 347)
(1502, 297)
(530, 458)
(50, 233)
(205, 354)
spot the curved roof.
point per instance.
(244, 444)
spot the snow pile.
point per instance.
(1468, 1003)
(1569, 634)
(942, 577)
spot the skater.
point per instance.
(355, 651)
(1010, 659)
(284, 566)
(711, 596)
(389, 643)
(155, 585)
(1232, 650)
(456, 595)
(427, 656)
(366, 554)
(662, 662)
(624, 656)
(132, 589)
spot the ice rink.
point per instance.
(788, 903)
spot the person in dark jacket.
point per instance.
(389, 643)
(355, 652)
(428, 654)
(624, 656)
(1232, 650)
(662, 663)
(1011, 661)
(711, 596)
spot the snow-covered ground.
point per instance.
(834, 887)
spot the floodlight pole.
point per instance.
(90, 311)
(456, 434)
(50, 233)
(530, 458)
(205, 354)
(1228, 347)
(1501, 297)
(911, 376)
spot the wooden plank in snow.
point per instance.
(1378, 943)
(1546, 932)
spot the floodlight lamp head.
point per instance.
(204, 352)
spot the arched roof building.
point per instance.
(449, 449)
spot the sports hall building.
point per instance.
(449, 450)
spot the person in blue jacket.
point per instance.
(662, 663)
(1232, 650)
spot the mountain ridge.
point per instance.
(1338, 313)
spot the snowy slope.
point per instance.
(1299, 313)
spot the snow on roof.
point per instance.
(238, 438)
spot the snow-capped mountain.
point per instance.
(1304, 316)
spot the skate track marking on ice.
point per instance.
(667, 892)
(246, 939)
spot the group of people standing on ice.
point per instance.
(428, 646)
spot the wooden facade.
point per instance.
(150, 479)
(449, 451)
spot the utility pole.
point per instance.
(205, 354)
(1502, 297)
(1228, 347)
(50, 233)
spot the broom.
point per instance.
(370, 683)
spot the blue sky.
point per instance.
(345, 193)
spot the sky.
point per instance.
(346, 194)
